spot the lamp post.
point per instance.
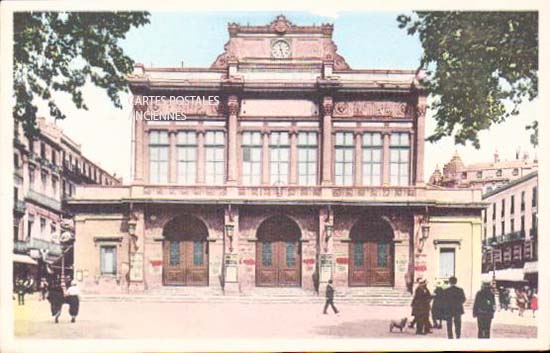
(328, 234)
(424, 234)
(229, 228)
(491, 246)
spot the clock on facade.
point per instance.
(280, 49)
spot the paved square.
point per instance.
(218, 320)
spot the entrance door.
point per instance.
(278, 253)
(186, 263)
(371, 255)
(185, 252)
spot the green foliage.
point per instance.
(479, 67)
(61, 51)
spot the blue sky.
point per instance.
(365, 39)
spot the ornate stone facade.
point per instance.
(305, 171)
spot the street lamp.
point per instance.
(491, 246)
(328, 234)
(424, 233)
(229, 228)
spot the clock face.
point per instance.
(280, 49)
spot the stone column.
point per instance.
(136, 247)
(233, 110)
(201, 161)
(172, 158)
(265, 157)
(327, 108)
(358, 159)
(325, 247)
(420, 126)
(293, 168)
(231, 250)
(386, 159)
(138, 125)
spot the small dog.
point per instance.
(398, 324)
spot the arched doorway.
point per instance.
(185, 252)
(371, 254)
(278, 253)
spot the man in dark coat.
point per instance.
(454, 298)
(56, 297)
(438, 307)
(421, 307)
(484, 309)
(330, 298)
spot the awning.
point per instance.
(509, 274)
(24, 259)
(530, 267)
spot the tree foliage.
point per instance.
(479, 67)
(61, 51)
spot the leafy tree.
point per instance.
(61, 51)
(479, 67)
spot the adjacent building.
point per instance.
(510, 233)
(47, 169)
(289, 169)
(486, 176)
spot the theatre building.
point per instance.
(299, 170)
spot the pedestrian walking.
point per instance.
(513, 303)
(421, 307)
(330, 298)
(454, 299)
(438, 307)
(29, 285)
(56, 298)
(484, 310)
(43, 288)
(521, 299)
(73, 299)
(534, 302)
(21, 290)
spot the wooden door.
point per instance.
(196, 262)
(288, 263)
(371, 263)
(186, 262)
(278, 263)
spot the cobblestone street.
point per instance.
(218, 320)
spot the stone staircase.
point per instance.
(366, 296)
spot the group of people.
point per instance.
(448, 305)
(519, 299)
(56, 292)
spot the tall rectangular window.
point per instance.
(534, 198)
(108, 260)
(158, 156)
(399, 159)
(372, 159)
(252, 158)
(214, 146)
(186, 146)
(447, 262)
(344, 158)
(523, 200)
(503, 208)
(512, 204)
(307, 158)
(494, 215)
(279, 149)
